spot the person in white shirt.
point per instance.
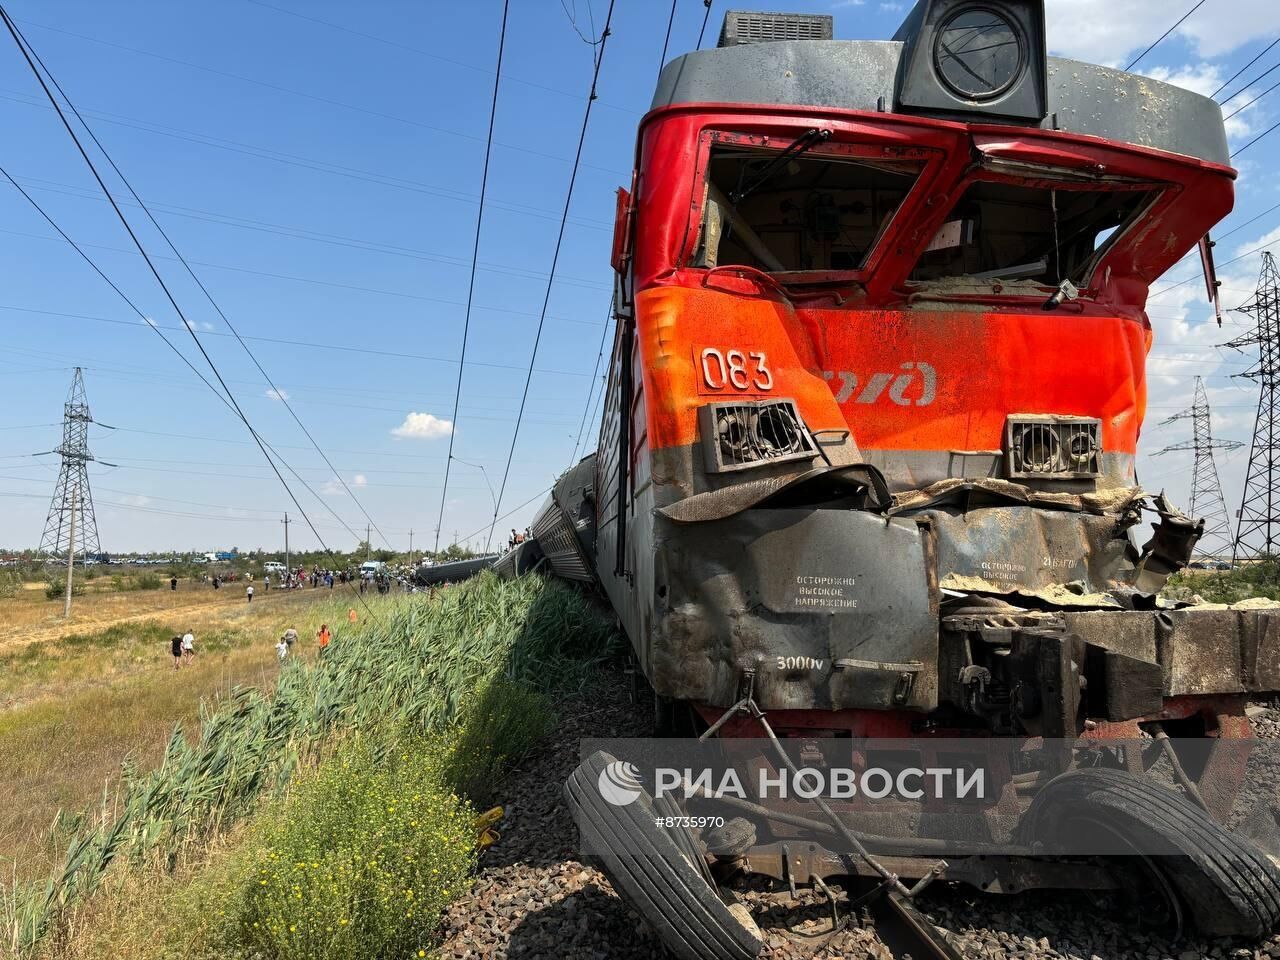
(188, 646)
(248, 592)
(282, 650)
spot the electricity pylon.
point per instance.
(1258, 526)
(72, 496)
(1206, 492)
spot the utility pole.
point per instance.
(71, 554)
(368, 540)
(1258, 526)
(411, 547)
(1206, 492)
(286, 521)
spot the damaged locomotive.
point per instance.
(866, 463)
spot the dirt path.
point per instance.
(106, 611)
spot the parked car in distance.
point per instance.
(273, 566)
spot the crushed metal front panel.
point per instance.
(828, 609)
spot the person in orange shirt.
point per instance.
(324, 638)
(351, 615)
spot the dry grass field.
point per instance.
(78, 696)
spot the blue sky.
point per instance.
(322, 179)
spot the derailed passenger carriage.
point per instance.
(867, 458)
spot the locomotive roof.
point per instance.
(861, 74)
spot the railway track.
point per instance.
(907, 932)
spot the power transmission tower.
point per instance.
(1258, 526)
(71, 527)
(1206, 492)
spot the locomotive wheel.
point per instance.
(1224, 884)
(653, 871)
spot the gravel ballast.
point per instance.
(533, 897)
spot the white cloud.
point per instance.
(135, 500)
(149, 322)
(333, 488)
(1111, 31)
(359, 480)
(273, 394)
(841, 4)
(423, 426)
(892, 7)
(198, 325)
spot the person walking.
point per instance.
(217, 583)
(282, 650)
(351, 615)
(289, 637)
(173, 583)
(175, 647)
(188, 646)
(248, 592)
(324, 637)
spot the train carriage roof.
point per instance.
(1079, 97)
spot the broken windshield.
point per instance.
(820, 210)
(1039, 233)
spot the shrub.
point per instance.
(502, 724)
(10, 585)
(148, 581)
(56, 588)
(359, 862)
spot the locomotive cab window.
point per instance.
(784, 211)
(1041, 234)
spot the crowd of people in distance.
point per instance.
(517, 538)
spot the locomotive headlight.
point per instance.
(733, 433)
(978, 53)
(1050, 446)
(974, 57)
(737, 436)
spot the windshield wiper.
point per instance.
(802, 143)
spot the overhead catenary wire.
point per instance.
(328, 101)
(666, 41)
(1132, 63)
(1246, 106)
(317, 344)
(591, 387)
(1271, 129)
(706, 15)
(1233, 77)
(305, 162)
(124, 221)
(177, 352)
(475, 260)
(279, 394)
(555, 259)
(1264, 73)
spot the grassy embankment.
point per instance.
(77, 698)
(330, 818)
